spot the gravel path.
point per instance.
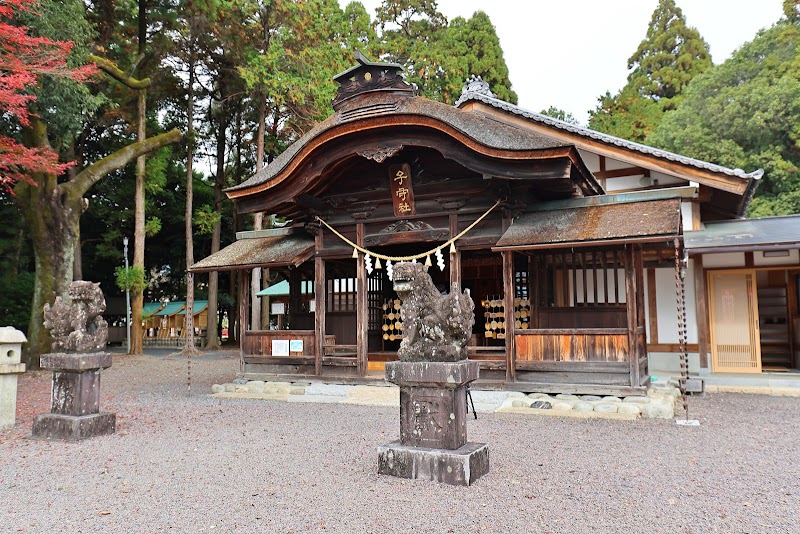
(190, 463)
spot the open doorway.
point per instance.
(754, 320)
(777, 310)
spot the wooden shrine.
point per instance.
(554, 264)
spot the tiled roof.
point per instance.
(746, 233)
(481, 96)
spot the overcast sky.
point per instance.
(566, 53)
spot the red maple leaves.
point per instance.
(23, 60)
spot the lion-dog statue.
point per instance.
(77, 324)
(436, 327)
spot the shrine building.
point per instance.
(570, 241)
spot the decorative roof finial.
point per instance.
(369, 76)
(476, 84)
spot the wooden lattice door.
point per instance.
(735, 342)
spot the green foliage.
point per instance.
(627, 114)
(156, 170)
(205, 218)
(745, 113)
(64, 103)
(560, 114)
(412, 34)
(439, 57)
(473, 48)
(15, 306)
(130, 279)
(669, 57)
(152, 226)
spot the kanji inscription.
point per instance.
(402, 190)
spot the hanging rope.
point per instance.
(416, 256)
(680, 297)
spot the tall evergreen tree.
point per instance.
(667, 59)
(412, 33)
(745, 113)
(474, 48)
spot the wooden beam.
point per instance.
(362, 310)
(652, 306)
(701, 307)
(619, 173)
(508, 304)
(244, 293)
(319, 297)
(749, 260)
(672, 347)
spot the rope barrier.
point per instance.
(416, 256)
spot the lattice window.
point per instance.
(341, 295)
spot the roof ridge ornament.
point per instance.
(369, 76)
(476, 84)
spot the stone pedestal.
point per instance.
(11, 341)
(75, 400)
(433, 424)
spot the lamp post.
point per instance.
(127, 296)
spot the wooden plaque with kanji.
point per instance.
(402, 190)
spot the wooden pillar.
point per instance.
(630, 304)
(652, 305)
(455, 259)
(294, 298)
(641, 319)
(535, 282)
(319, 297)
(701, 310)
(362, 310)
(508, 304)
(244, 293)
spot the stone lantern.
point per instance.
(11, 341)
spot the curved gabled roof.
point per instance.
(394, 110)
(481, 96)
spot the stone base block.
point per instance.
(72, 427)
(459, 467)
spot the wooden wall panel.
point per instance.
(565, 346)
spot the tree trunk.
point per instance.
(213, 277)
(52, 219)
(77, 266)
(258, 219)
(188, 325)
(51, 212)
(137, 296)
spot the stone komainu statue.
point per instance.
(436, 327)
(76, 324)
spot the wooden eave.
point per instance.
(732, 184)
(320, 154)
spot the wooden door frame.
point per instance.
(711, 316)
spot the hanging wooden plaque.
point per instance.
(402, 190)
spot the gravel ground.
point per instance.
(185, 462)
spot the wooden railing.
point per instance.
(260, 342)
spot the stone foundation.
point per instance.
(433, 425)
(459, 467)
(75, 400)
